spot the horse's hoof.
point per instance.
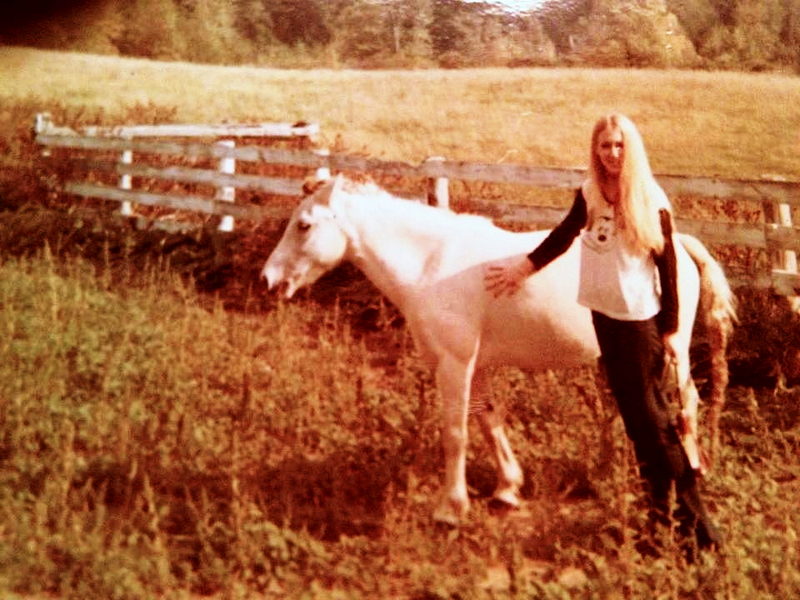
(505, 498)
(498, 508)
(446, 519)
(445, 527)
(450, 513)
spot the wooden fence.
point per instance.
(777, 235)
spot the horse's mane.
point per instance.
(423, 215)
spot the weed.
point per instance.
(152, 444)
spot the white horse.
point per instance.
(430, 263)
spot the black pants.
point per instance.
(633, 357)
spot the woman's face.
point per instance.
(611, 150)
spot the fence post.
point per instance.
(438, 187)
(126, 181)
(226, 193)
(43, 121)
(783, 261)
(776, 213)
(42, 124)
(323, 171)
(789, 258)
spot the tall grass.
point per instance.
(153, 445)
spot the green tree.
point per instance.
(636, 33)
(150, 30)
(560, 18)
(757, 31)
(446, 31)
(527, 43)
(725, 11)
(409, 22)
(698, 17)
(253, 23)
(467, 34)
(360, 32)
(299, 22)
(789, 47)
(752, 34)
(207, 31)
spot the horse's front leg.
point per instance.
(491, 416)
(453, 379)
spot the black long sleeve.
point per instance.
(561, 238)
(667, 265)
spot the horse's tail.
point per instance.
(718, 308)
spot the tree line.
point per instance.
(717, 34)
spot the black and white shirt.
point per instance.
(615, 281)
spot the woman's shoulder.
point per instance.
(589, 192)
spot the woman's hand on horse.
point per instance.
(507, 276)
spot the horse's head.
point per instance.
(312, 244)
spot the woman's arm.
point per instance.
(562, 236)
(506, 278)
(667, 265)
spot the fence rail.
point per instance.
(44, 125)
(778, 235)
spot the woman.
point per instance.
(628, 279)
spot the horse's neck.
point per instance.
(390, 244)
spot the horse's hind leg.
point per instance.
(491, 416)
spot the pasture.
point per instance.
(694, 123)
(158, 441)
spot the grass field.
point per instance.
(727, 124)
(155, 445)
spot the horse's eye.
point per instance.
(302, 226)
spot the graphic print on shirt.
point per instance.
(614, 281)
(600, 236)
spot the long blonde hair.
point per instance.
(640, 196)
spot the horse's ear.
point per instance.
(312, 184)
(338, 183)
